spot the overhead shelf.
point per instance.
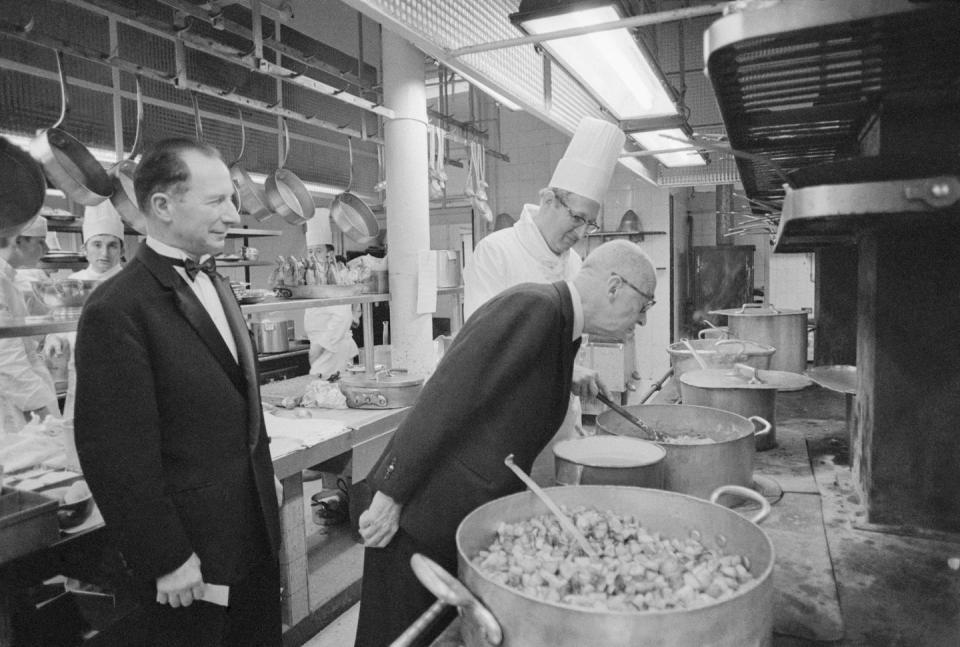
(800, 83)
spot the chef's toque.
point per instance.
(102, 219)
(318, 229)
(36, 227)
(588, 164)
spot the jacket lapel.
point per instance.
(193, 311)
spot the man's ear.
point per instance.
(159, 204)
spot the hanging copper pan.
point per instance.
(124, 198)
(22, 188)
(67, 163)
(286, 193)
(252, 198)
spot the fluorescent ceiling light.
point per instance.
(611, 63)
(654, 140)
(496, 96)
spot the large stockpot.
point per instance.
(271, 336)
(696, 469)
(785, 330)
(732, 391)
(718, 353)
(608, 460)
(744, 620)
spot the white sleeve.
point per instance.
(484, 277)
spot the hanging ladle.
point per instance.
(553, 507)
(640, 424)
(449, 591)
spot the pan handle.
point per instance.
(762, 433)
(196, 117)
(350, 151)
(284, 142)
(136, 135)
(420, 625)
(746, 493)
(64, 98)
(243, 135)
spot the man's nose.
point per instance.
(642, 319)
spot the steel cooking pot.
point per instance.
(785, 330)
(608, 460)
(271, 336)
(696, 469)
(286, 193)
(733, 391)
(746, 619)
(124, 197)
(718, 353)
(253, 200)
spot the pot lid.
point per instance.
(841, 377)
(610, 451)
(381, 379)
(718, 378)
(756, 310)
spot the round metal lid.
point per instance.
(719, 378)
(381, 379)
(757, 310)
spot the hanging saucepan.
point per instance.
(352, 215)
(286, 193)
(198, 123)
(22, 188)
(252, 198)
(124, 198)
(66, 162)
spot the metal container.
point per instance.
(785, 330)
(732, 391)
(271, 336)
(696, 469)
(388, 389)
(608, 460)
(746, 619)
(718, 353)
(448, 268)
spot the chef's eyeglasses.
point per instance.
(592, 225)
(649, 297)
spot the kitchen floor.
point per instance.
(839, 582)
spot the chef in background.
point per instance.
(103, 246)
(25, 383)
(332, 347)
(538, 247)
(34, 244)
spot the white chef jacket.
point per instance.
(24, 279)
(25, 382)
(331, 341)
(515, 255)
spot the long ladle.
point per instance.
(640, 424)
(449, 591)
(696, 355)
(553, 507)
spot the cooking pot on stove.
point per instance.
(608, 460)
(718, 353)
(271, 336)
(696, 469)
(785, 330)
(746, 619)
(733, 391)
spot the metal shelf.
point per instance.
(274, 304)
(800, 83)
(234, 232)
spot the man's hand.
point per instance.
(587, 382)
(379, 522)
(182, 586)
(55, 345)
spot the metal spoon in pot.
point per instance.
(553, 507)
(640, 424)
(696, 355)
(449, 590)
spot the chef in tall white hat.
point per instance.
(537, 248)
(332, 348)
(31, 245)
(102, 242)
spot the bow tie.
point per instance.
(209, 266)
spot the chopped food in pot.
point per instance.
(636, 569)
(687, 439)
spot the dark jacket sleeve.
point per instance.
(500, 341)
(118, 438)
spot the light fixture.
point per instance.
(668, 140)
(612, 65)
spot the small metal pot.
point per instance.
(608, 460)
(696, 469)
(718, 353)
(352, 215)
(391, 389)
(271, 336)
(732, 391)
(253, 200)
(286, 193)
(785, 330)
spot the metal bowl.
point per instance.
(64, 296)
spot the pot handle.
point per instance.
(760, 434)
(746, 493)
(751, 306)
(734, 342)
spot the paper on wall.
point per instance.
(426, 282)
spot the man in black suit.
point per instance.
(502, 388)
(169, 425)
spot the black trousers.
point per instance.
(391, 596)
(251, 620)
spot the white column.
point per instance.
(407, 201)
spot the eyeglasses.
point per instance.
(591, 225)
(649, 297)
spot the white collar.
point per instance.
(169, 251)
(532, 240)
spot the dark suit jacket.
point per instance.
(502, 388)
(173, 458)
